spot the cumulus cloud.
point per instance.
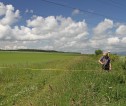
(57, 33)
(113, 40)
(123, 40)
(9, 15)
(4, 31)
(62, 32)
(103, 26)
(121, 30)
(100, 35)
(2, 9)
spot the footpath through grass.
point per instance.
(77, 80)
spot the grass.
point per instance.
(77, 80)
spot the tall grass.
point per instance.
(77, 80)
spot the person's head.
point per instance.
(106, 53)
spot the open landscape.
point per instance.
(60, 79)
(62, 53)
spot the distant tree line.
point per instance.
(31, 50)
(39, 50)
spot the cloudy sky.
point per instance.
(36, 24)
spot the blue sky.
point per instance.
(45, 9)
(109, 28)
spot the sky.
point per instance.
(76, 26)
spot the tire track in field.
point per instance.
(48, 69)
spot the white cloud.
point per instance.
(22, 33)
(76, 12)
(29, 11)
(4, 31)
(57, 27)
(14, 47)
(60, 33)
(100, 34)
(121, 30)
(48, 23)
(103, 26)
(9, 15)
(123, 40)
(2, 9)
(113, 40)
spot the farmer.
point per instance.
(105, 61)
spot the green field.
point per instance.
(60, 79)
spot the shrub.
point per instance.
(98, 52)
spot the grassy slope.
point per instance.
(77, 81)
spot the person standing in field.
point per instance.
(105, 61)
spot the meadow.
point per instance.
(60, 79)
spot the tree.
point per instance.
(98, 52)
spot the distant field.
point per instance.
(60, 79)
(31, 57)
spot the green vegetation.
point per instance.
(60, 79)
(98, 52)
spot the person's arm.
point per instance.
(100, 60)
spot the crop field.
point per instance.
(60, 79)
